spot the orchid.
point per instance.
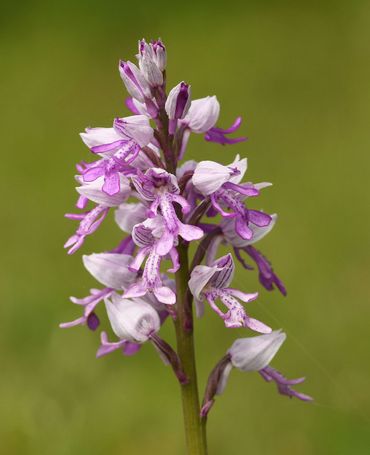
(165, 208)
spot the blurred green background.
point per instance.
(298, 73)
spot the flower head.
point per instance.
(163, 207)
(250, 354)
(211, 283)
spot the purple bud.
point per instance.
(148, 64)
(155, 50)
(134, 81)
(178, 101)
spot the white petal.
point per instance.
(133, 320)
(137, 127)
(209, 176)
(241, 166)
(93, 192)
(93, 137)
(255, 353)
(110, 269)
(129, 214)
(223, 379)
(199, 278)
(228, 229)
(203, 114)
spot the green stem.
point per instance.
(194, 430)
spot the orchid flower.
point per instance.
(167, 207)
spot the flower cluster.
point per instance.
(162, 204)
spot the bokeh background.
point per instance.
(298, 73)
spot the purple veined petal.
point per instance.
(92, 300)
(93, 191)
(111, 184)
(165, 243)
(260, 186)
(174, 255)
(126, 246)
(219, 135)
(270, 374)
(93, 321)
(71, 241)
(184, 143)
(185, 206)
(224, 275)
(246, 191)
(129, 103)
(82, 202)
(169, 214)
(228, 229)
(135, 290)
(242, 229)
(90, 222)
(219, 209)
(165, 295)
(240, 167)
(241, 260)
(178, 102)
(257, 326)
(151, 108)
(94, 173)
(136, 127)
(261, 219)
(189, 232)
(199, 279)
(301, 396)
(138, 260)
(142, 235)
(244, 297)
(211, 297)
(95, 137)
(149, 67)
(130, 349)
(112, 147)
(144, 187)
(75, 242)
(235, 126)
(107, 347)
(94, 226)
(267, 276)
(134, 81)
(199, 307)
(268, 281)
(159, 51)
(236, 316)
(213, 249)
(67, 325)
(152, 212)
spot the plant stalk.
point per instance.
(195, 434)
